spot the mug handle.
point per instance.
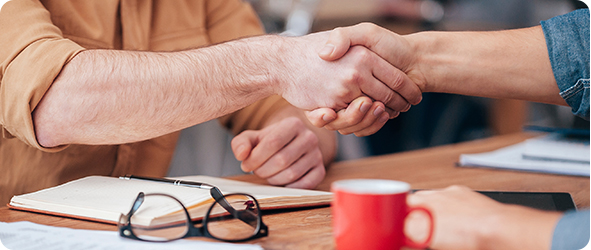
(408, 242)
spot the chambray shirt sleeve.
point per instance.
(572, 231)
(567, 39)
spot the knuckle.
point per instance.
(390, 97)
(281, 160)
(297, 123)
(319, 157)
(353, 76)
(311, 138)
(337, 31)
(361, 54)
(290, 175)
(365, 25)
(397, 81)
(368, 26)
(274, 141)
(456, 188)
(246, 166)
(261, 174)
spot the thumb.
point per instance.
(243, 144)
(337, 45)
(341, 39)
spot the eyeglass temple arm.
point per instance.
(245, 216)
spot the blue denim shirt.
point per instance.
(567, 38)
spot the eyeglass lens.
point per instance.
(145, 225)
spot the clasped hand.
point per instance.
(396, 82)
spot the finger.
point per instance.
(285, 157)
(269, 144)
(296, 170)
(311, 179)
(375, 127)
(381, 92)
(376, 109)
(321, 116)
(393, 114)
(374, 119)
(341, 39)
(243, 143)
(397, 81)
(380, 82)
(353, 115)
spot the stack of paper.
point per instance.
(555, 153)
(26, 235)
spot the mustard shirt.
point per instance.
(37, 38)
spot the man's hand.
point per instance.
(308, 82)
(285, 153)
(465, 219)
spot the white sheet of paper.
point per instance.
(511, 157)
(26, 235)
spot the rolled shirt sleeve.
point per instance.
(567, 39)
(32, 55)
(571, 231)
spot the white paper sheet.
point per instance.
(26, 235)
(511, 157)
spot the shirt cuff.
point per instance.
(572, 231)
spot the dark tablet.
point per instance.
(543, 201)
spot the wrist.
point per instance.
(518, 227)
(250, 64)
(417, 71)
(276, 66)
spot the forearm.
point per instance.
(518, 227)
(500, 64)
(327, 141)
(111, 97)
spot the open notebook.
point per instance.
(104, 199)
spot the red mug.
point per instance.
(370, 214)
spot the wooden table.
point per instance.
(423, 169)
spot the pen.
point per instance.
(171, 181)
(213, 190)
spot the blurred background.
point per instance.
(439, 119)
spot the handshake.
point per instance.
(362, 77)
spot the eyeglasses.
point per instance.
(232, 218)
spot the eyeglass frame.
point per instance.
(125, 228)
